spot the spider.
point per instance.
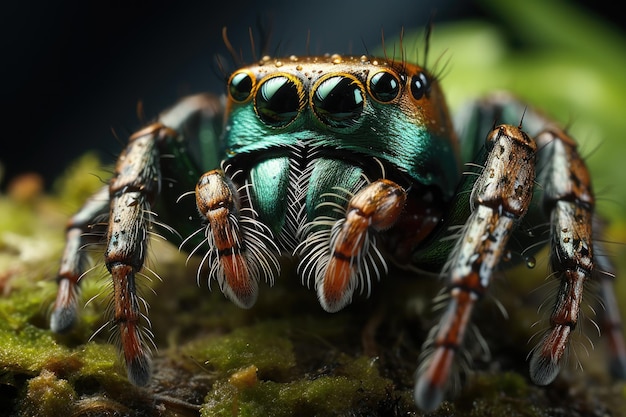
(347, 164)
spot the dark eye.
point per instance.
(338, 101)
(240, 86)
(420, 85)
(278, 101)
(384, 86)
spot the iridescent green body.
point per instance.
(302, 159)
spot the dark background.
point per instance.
(74, 71)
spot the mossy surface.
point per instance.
(285, 356)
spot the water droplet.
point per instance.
(531, 262)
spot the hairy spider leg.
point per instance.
(218, 202)
(610, 319)
(132, 190)
(80, 231)
(375, 207)
(500, 198)
(569, 200)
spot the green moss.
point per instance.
(101, 361)
(261, 345)
(28, 349)
(355, 385)
(46, 395)
(497, 395)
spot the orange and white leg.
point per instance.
(344, 255)
(240, 250)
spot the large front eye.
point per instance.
(420, 86)
(240, 86)
(278, 100)
(338, 101)
(384, 86)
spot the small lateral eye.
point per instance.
(420, 86)
(384, 86)
(279, 100)
(338, 101)
(240, 86)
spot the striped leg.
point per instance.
(500, 198)
(569, 202)
(240, 249)
(132, 191)
(80, 232)
(342, 254)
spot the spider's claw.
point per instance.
(617, 368)
(543, 368)
(427, 394)
(65, 311)
(62, 319)
(240, 288)
(139, 370)
(335, 291)
(546, 358)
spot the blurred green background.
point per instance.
(558, 58)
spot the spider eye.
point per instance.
(384, 86)
(420, 85)
(240, 86)
(338, 101)
(279, 100)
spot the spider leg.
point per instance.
(569, 200)
(238, 258)
(338, 256)
(500, 197)
(610, 318)
(79, 233)
(133, 189)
